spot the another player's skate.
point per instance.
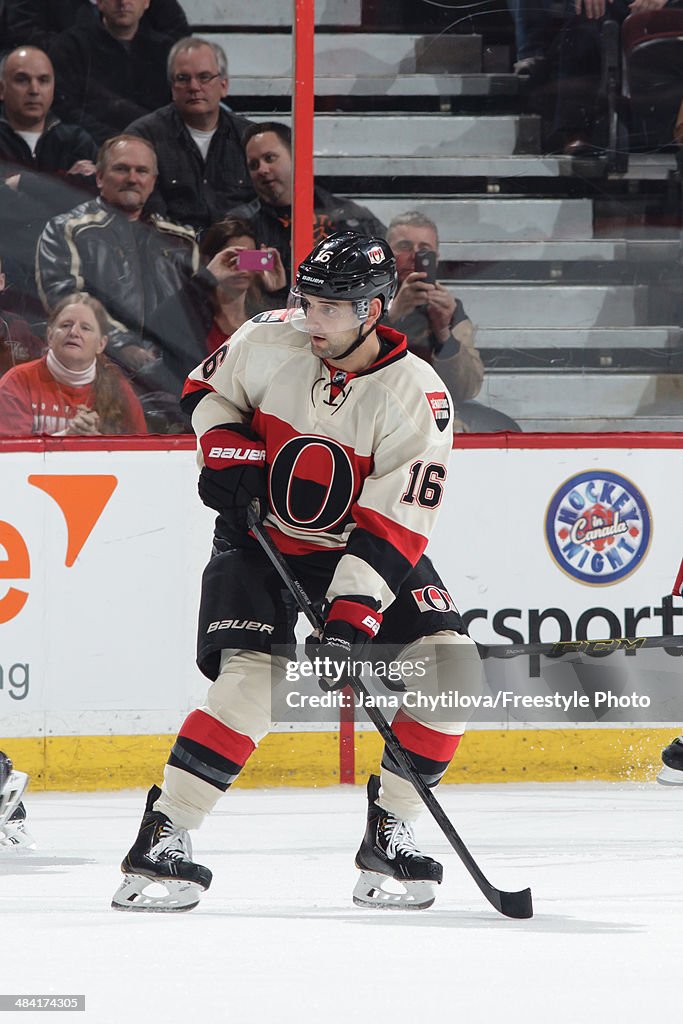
(13, 833)
(671, 773)
(161, 854)
(394, 874)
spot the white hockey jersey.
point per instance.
(356, 462)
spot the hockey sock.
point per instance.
(205, 760)
(431, 753)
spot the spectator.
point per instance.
(215, 301)
(18, 343)
(30, 134)
(73, 389)
(110, 71)
(578, 86)
(40, 21)
(268, 149)
(435, 323)
(33, 139)
(129, 261)
(202, 170)
(532, 20)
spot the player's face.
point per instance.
(27, 88)
(407, 239)
(332, 326)
(128, 177)
(75, 337)
(270, 167)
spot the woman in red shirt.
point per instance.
(74, 388)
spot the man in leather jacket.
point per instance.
(108, 247)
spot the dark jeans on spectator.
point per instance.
(579, 73)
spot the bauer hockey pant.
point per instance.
(244, 613)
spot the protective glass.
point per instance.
(314, 315)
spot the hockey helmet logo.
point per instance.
(441, 408)
(376, 254)
(433, 599)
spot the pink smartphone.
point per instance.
(255, 259)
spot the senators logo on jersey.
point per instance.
(441, 408)
(433, 599)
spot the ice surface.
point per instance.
(277, 939)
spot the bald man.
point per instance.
(30, 134)
(33, 139)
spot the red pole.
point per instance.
(347, 737)
(303, 34)
(303, 96)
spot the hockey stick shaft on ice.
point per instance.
(511, 904)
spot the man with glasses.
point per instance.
(111, 70)
(202, 168)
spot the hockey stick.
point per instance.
(511, 904)
(593, 648)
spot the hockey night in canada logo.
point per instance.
(598, 527)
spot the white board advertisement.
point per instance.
(101, 554)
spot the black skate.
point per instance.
(388, 854)
(162, 853)
(671, 773)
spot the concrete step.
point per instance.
(585, 401)
(538, 305)
(416, 136)
(363, 54)
(650, 166)
(497, 167)
(590, 250)
(361, 85)
(493, 218)
(595, 339)
(267, 14)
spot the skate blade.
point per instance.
(178, 895)
(381, 892)
(670, 776)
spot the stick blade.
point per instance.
(514, 904)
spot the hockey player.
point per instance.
(672, 756)
(343, 437)
(13, 832)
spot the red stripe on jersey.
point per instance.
(418, 739)
(211, 733)
(410, 544)
(192, 386)
(678, 585)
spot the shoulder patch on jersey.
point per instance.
(270, 316)
(440, 406)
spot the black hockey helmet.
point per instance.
(351, 267)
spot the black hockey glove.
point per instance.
(234, 473)
(350, 624)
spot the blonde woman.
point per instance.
(74, 388)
